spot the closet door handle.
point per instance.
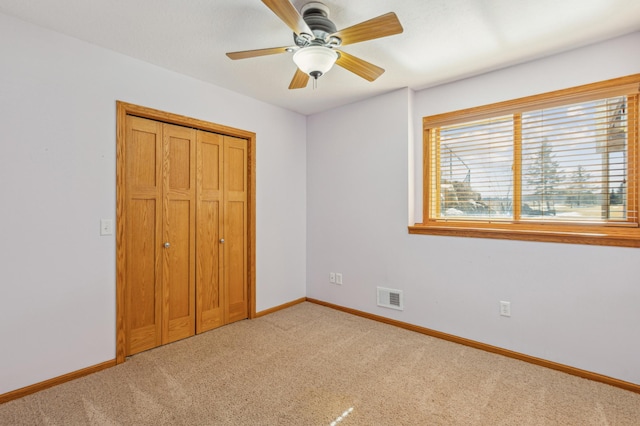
(221, 240)
(166, 245)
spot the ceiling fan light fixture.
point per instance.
(315, 60)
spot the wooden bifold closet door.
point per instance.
(185, 232)
(222, 231)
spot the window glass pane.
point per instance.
(574, 165)
(475, 167)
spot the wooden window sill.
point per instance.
(601, 235)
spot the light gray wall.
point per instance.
(57, 180)
(350, 189)
(571, 304)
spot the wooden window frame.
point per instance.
(625, 234)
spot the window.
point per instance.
(561, 166)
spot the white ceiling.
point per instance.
(443, 40)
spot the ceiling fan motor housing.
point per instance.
(316, 15)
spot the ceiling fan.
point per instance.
(317, 41)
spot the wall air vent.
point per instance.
(390, 298)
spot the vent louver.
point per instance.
(390, 298)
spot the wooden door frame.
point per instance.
(122, 110)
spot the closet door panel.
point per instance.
(209, 288)
(179, 233)
(143, 274)
(235, 227)
(142, 235)
(143, 155)
(210, 295)
(178, 270)
(236, 266)
(145, 318)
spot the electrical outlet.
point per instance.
(332, 277)
(339, 278)
(505, 308)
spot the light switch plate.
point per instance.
(106, 227)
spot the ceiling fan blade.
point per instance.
(258, 52)
(358, 66)
(382, 26)
(300, 80)
(289, 15)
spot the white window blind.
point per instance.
(574, 162)
(562, 163)
(475, 169)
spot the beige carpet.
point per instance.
(310, 365)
